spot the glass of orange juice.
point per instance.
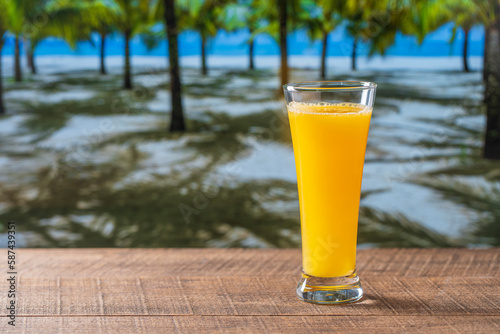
(329, 122)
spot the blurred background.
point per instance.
(161, 123)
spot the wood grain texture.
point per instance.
(250, 291)
(260, 324)
(112, 262)
(251, 296)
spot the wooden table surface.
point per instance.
(249, 291)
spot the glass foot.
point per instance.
(330, 290)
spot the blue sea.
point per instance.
(340, 44)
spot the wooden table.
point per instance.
(249, 291)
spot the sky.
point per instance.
(435, 44)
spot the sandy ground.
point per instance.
(423, 155)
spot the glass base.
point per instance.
(330, 290)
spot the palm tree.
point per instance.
(465, 14)
(244, 14)
(75, 21)
(356, 14)
(420, 17)
(18, 74)
(319, 21)
(166, 11)
(99, 17)
(60, 18)
(354, 30)
(486, 12)
(487, 33)
(376, 22)
(30, 53)
(492, 88)
(132, 17)
(366, 21)
(16, 19)
(177, 115)
(31, 20)
(487, 15)
(29, 56)
(283, 21)
(204, 16)
(36, 35)
(281, 17)
(252, 19)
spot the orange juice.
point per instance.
(329, 142)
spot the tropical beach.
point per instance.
(86, 164)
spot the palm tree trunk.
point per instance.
(250, 54)
(353, 54)
(485, 53)
(102, 53)
(283, 41)
(323, 55)
(2, 108)
(464, 52)
(204, 69)
(492, 91)
(127, 79)
(17, 61)
(177, 115)
(29, 55)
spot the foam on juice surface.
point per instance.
(326, 108)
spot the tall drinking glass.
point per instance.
(329, 121)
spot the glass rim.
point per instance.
(339, 85)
